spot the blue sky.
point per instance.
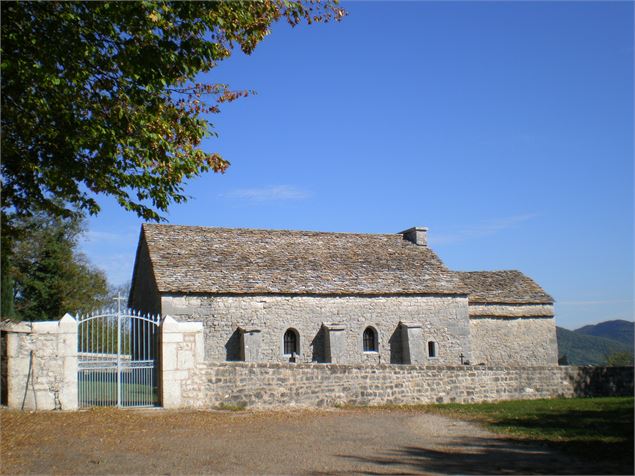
(504, 127)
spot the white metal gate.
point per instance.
(117, 353)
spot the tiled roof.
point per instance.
(191, 259)
(505, 287)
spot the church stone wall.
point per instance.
(511, 310)
(144, 295)
(518, 341)
(443, 319)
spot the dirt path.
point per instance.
(292, 442)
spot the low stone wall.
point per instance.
(262, 385)
(40, 363)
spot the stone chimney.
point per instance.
(417, 234)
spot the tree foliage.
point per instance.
(7, 309)
(102, 98)
(51, 277)
(620, 359)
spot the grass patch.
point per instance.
(105, 393)
(597, 429)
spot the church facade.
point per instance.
(345, 298)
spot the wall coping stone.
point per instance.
(334, 326)
(169, 324)
(411, 324)
(17, 327)
(66, 323)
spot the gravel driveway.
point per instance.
(369, 441)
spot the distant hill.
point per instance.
(619, 330)
(582, 349)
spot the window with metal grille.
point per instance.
(432, 349)
(370, 340)
(290, 342)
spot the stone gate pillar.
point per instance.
(181, 350)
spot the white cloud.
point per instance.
(268, 194)
(487, 228)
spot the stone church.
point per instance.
(346, 298)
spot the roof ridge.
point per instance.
(274, 230)
(484, 271)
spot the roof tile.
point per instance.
(504, 287)
(192, 259)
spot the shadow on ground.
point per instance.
(473, 456)
(593, 438)
(574, 442)
(485, 457)
(598, 437)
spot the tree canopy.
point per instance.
(102, 98)
(620, 359)
(50, 276)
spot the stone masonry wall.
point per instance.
(261, 385)
(41, 364)
(444, 320)
(511, 310)
(523, 341)
(3, 368)
(144, 295)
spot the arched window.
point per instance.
(370, 340)
(432, 349)
(290, 342)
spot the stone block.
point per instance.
(177, 375)
(169, 324)
(185, 360)
(67, 324)
(189, 327)
(172, 337)
(171, 394)
(45, 327)
(168, 357)
(412, 343)
(13, 345)
(334, 343)
(250, 342)
(199, 350)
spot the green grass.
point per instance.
(589, 428)
(105, 393)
